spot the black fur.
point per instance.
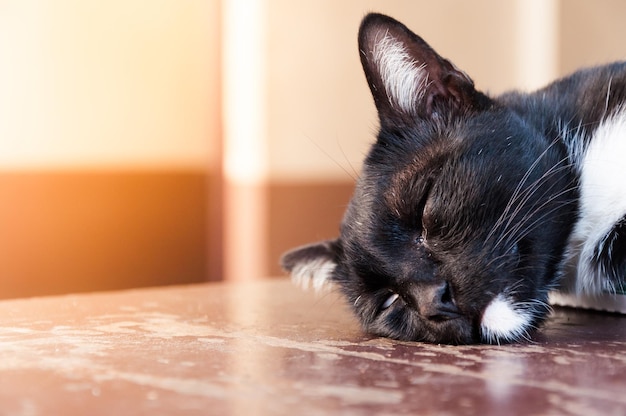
(463, 197)
(610, 255)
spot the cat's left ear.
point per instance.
(408, 79)
(313, 266)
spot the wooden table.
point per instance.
(268, 348)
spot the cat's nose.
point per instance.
(435, 301)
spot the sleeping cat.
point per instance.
(469, 209)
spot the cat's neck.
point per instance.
(571, 109)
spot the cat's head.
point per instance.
(455, 228)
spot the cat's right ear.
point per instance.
(313, 265)
(408, 79)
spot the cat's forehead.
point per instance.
(426, 163)
(455, 181)
(415, 176)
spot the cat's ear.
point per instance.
(313, 266)
(408, 79)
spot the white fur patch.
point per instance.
(313, 274)
(403, 77)
(501, 321)
(602, 203)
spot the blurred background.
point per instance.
(152, 142)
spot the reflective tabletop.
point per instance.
(267, 348)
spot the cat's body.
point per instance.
(587, 112)
(470, 209)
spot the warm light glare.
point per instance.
(245, 148)
(244, 83)
(105, 83)
(537, 42)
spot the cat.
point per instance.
(470, 209)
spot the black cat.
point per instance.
(470, 209)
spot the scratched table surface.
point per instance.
(268, 348)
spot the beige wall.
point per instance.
(320, 116)
(110, 125)
(126, 85)
(108, 84)
(591, 33)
